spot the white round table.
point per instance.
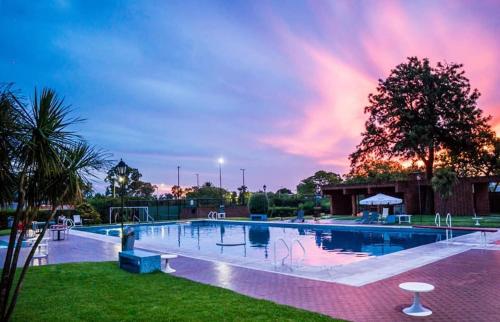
(477, 219)
(417, 309)
(167, 258)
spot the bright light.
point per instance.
(121, 179)
(221, 160)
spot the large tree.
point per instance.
(42, 161)
(421, 112)
(442, 182)
(207, 191)
(134, 186)
(320, 178)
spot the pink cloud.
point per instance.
(329, 124)
(334, 115)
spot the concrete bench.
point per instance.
(139, 261)
(258, 217)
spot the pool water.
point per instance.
(324, 245)
(5, 243)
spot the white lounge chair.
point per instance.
(77, 221)
(385, 213)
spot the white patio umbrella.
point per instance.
(380, 199)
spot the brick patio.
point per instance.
(467, 285)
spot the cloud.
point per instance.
(329, 122)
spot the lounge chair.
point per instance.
(77, 221)
(365, 219)
(374, 217)
(385, 213)
(391, 219)
(300, 216)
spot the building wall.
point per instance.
(482, 196)
(340, 204)
(494, 202)
(462, 203)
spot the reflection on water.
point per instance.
(324, 245)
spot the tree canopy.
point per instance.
(373, 170)
(320, 178)
(134, 186)
(207, 191)
(425, 113)
(284, 191)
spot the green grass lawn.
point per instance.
(462, 221)
(103, 292)
(4, 232)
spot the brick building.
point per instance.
(470, 195)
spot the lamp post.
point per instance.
(177, 195)
(197, 179)
(220, 161)
(265, 188)
(318, 194)
(243, 188)
(122, 169)
(419, 198)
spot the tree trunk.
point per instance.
(7, 272)
(19, 284)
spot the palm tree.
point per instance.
(442, 182)
(50, 163)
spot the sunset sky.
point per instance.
(275, 87)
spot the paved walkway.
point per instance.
(467, 284)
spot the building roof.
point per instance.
(401, 183)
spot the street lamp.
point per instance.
(121, 167)
(418, 177)
(243, 188)
(265, 188)
(318, 194)
(221, 162)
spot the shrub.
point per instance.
(283, 211)
(258, 204)
(308, 207)
(86, 211)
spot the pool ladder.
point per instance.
(289, 249)
(437, 222)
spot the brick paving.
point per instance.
(467, 285)
(467, 289)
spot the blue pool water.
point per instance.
(4, 244)
(324, 245)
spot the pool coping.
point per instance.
(354, 274)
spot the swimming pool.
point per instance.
(266, 243)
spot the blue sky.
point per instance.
(277, 88)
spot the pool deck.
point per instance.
(366, 271)
(467, 287)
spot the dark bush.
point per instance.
(283, 211)
(88, 212)
(308, 207)
(258, 204)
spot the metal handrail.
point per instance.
(448, 224)
(448, 220)
(437, 220)
(291, 250)
(287, 248)
(212, 215)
